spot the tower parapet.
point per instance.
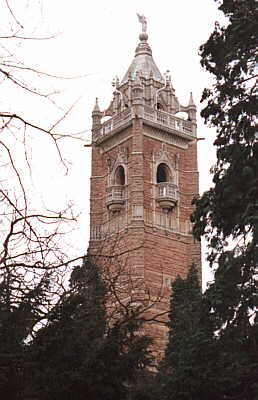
(145, 93)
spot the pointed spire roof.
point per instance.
(143, 62)
(191, 100)
(96, 107)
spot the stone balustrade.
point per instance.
(115, 192)
(169, 120)
(156, 219)
(166, 190)
(115, 122)
(115, 197)
(156, 116)
(166, 195)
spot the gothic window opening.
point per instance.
(166, 190)
(120, 176)
(163, 173)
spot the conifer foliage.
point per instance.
(185, 371)
(79, 354)
(212, 349)
(20, 311)
(200, 362)
(228, 213)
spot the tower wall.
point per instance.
(144, 177)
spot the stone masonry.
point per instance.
(144, 177)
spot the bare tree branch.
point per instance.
(11, 12)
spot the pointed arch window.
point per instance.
(166, 190)
(119, 176)
(163, 173)
(116, 192)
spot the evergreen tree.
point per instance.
(78, 354)
(227, 214)
(20, 311)
(185, 372)
(229, 210)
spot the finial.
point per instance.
(143, 20)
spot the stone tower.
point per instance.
(144, 177)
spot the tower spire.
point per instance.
(191, 100)
(96, 106)
(143, 62)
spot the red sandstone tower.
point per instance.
(144, 176)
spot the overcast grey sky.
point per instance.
(98, 39)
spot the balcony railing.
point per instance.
(167, 190)
(159, 117)
(115, 122)
(115, 197)
(166, 194)
(169, 120)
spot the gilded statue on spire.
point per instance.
(143, 21)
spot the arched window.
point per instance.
(163, 173)
(120, 176)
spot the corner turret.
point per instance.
(190, 109)
(96, 116)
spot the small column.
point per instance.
(137, 97)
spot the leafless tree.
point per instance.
(130, 295)
(34, 254)
(33, 248)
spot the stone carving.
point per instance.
(120, 159)
(142, 19)
(166, 137)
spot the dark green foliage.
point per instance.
(200, 363)
(230, 53)
(78, 354)
(227, 214)
(20, 310)
(230, 209)
(235, 363)
(185, 372)
(146, 387)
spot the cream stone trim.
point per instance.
(115, 141)
(165, 137)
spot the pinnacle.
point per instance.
(96, 107)
(191, 100)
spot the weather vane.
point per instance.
(143, 21)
